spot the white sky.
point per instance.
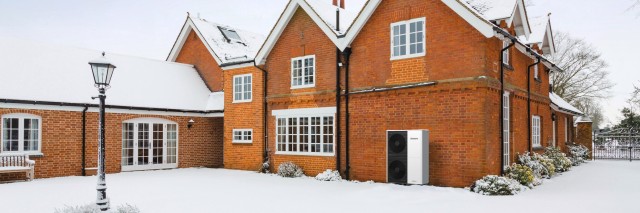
(148, 28)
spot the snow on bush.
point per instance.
(560, 160)
(329, 175)
(578, 154)
(541, 166)
(290, 170)
(93, 208)
(264, 168)
(521, 173)
(496, 185)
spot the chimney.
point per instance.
(339, 3)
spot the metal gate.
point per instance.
(617, 144)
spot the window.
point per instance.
(566, 129)
(305, 131)
(505, 54)
(535, 131)
(242, 88)
(242, 135)
(303, 72)
(408, 39)
(230, 34)
(505, 129)
(149, 143)
(21, 133)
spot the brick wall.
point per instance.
(195, 52)
(62, 141)
(244, 116)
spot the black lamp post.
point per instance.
(102, 71)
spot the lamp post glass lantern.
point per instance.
(102, 71)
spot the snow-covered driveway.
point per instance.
(600, 186)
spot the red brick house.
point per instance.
(322, 90)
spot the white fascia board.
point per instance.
(549, 37)
(523, 16)
(483, 26)
(238, 66)
(359, 23)
(94, 109)
(284, 21)
(304, 111)
(276, 32)
(182, 38)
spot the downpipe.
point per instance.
(347, 55)
(529, 103)
(84, 140)
(265, 151)
(502, 90)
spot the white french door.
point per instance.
(149, 144)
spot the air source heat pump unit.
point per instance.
(408, 156)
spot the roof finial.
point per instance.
(549, 15)
(103, 53)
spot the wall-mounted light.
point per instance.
(190, 123)
(553, 116)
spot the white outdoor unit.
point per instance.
(408, 156)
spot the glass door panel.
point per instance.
(143, 144)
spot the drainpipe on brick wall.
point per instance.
(347, 55)
(338, 91)
(529, 102)
(502, 104)
(84, 140)
(265, 153)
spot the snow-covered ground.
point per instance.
(600, 186)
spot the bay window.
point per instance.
(305, 131)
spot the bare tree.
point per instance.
(591, 108)
(585, 73)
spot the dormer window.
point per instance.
(230, 35)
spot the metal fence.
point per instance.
(617, 144)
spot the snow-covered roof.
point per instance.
(327, 12)
(323, 13)
(538, 29)
(493, 9)
(41, 72)
(563, 105)
(224, 50)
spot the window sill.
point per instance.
(394, 58)
(537, 80)
(507, 66)
(538, 148)
(31, 154)
(242, 101)
(303, 87)
(306, 154)
(242, 142)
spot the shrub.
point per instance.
(329, 175)
(496, 185)
(290, 170)
(521, 173)
(549, 168)
(578, 154)
(93, 208)
(560, 160)
(541, 165)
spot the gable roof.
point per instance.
(32, 71)
(224, 51)
(542, 34)
(323, 13)
(560, 104)
(511, 11)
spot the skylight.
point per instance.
(230, 34)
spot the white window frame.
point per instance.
(306, 113)
(21, 117)
(505, 54)
(242, 133)
(315, 71)
(536, 136)
(407, 35)
(506, 130)
(243, 89)
(150, 166)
